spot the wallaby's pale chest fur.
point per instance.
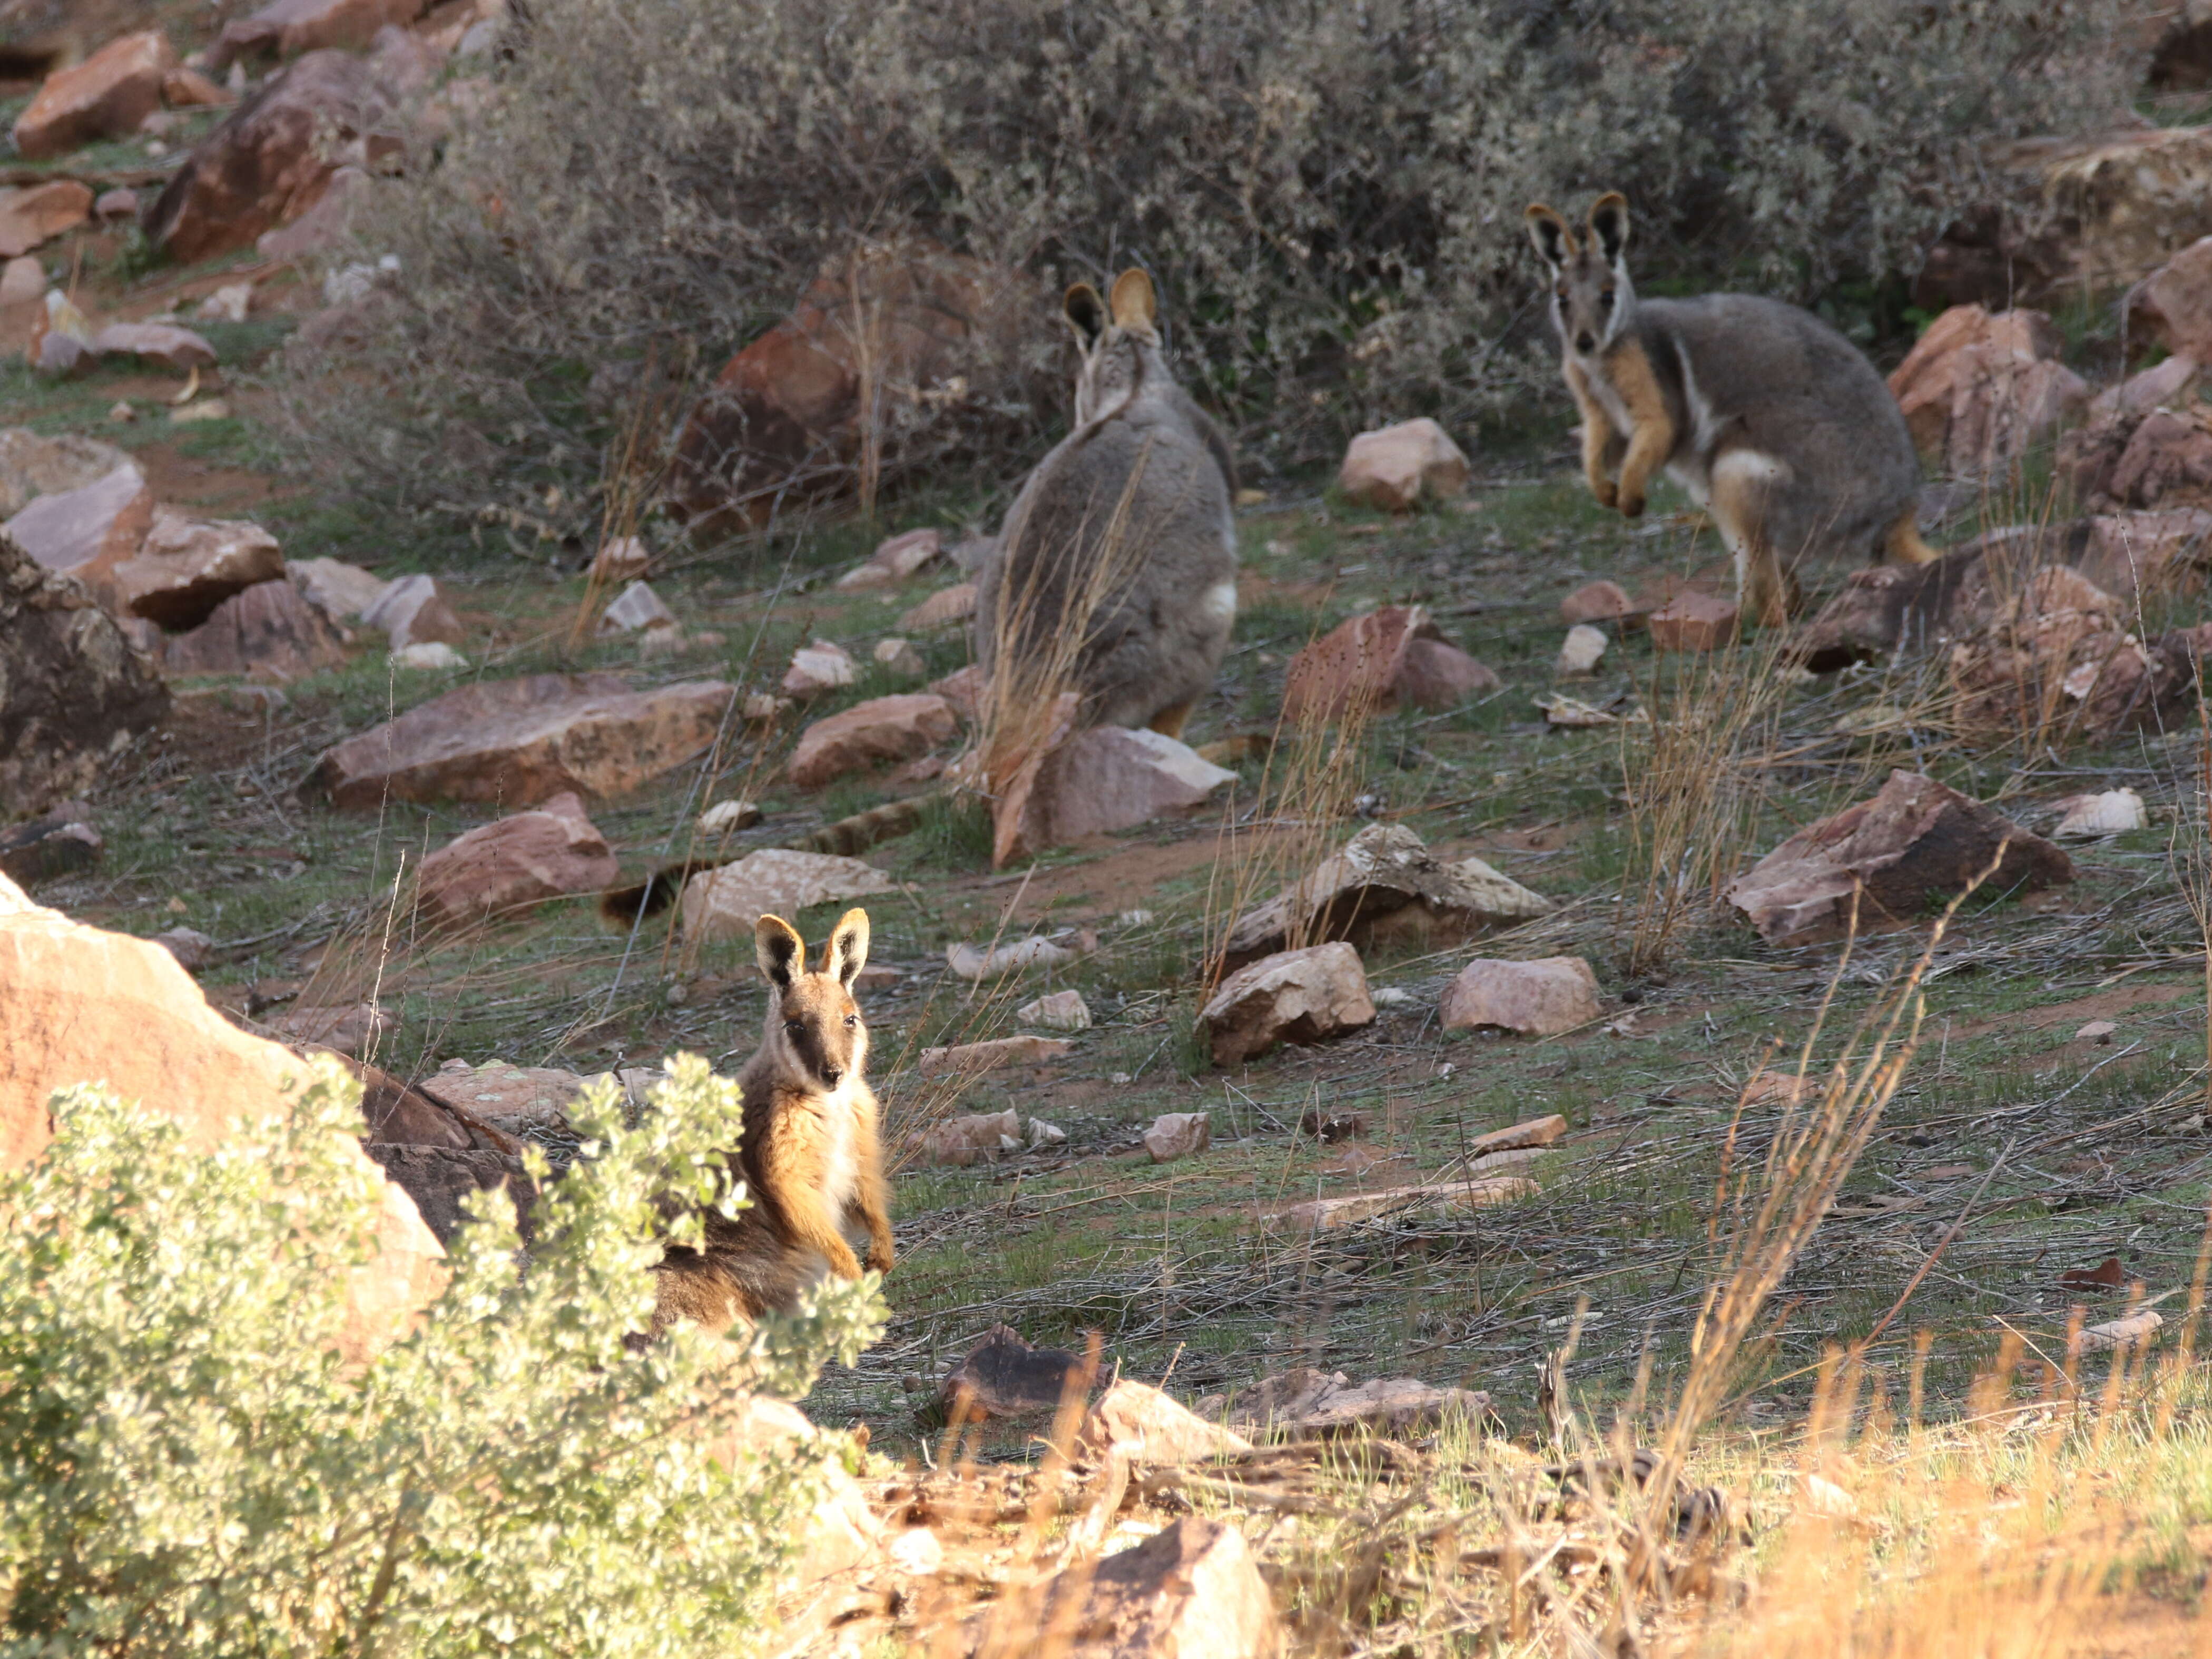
(1767, 417)
(812, 1153)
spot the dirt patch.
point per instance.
(2120, 1000)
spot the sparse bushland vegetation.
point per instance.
(1329, 198)
(187, 1466)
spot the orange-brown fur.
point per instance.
(1904, 542)
(812, 1156)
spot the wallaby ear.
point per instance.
(1085, 313)
(1549, 231)
(848, 947)
(1135, 304)
(1608, 223)
(780, 950)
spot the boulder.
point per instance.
(288, 28)
(522, 741)
(399, 1115)
(269, 160)
(501, 868)
(266, 631)
(1099, 780)
(1178, 1134)
(515, 1100)
(1307, 1404)
(187, 89)
(59, 842)
(1063, 1010)
(824, 666)
(942, 609)
(2173, 307)
(1147, 1426)
(1597, 602)
(78, 1004)
(1913, 606)
(438, 1178)
(185, 568)
(1535, 999)
(908, 328)
(341, 591)
(1979, 389)
(412, 611)
(105, 97)
(2161, 385)
(1374, 662)
(1396, 466)
(165, 345)
(726, 902)
(1916, 838)
(973, 1058)
(86, 532)
(320, 230)
(32, 466)
(1385, 883)
(1693, 621)
(870, 733)
(36, 214)
(1307, 995)
(895, 560)
(1191, 1588)
(637, 606)
(1004, 1377)
(2132, 554)
(961, 1141)
(74, 691)
(2167, 459)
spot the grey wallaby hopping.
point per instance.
(811, 1155)
(1119, 553)
(1773, 422)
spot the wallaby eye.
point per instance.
(794, 1026)
(850, 1020)
(1605, 299)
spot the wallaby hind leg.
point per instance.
(1741, 480)
(1168, 721)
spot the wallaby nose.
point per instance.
(833, 1075)
(1585, 340)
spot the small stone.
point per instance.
(351, 1029)
(86, 531)
(1042, 1135)
(205, 408)
(429, 654)
(1536, 998)
(727, 818)
(115, 206)
(761, 708)
(969, 1059)
(120, 410)
(819, 667)
(972, 961)
(2097, 1030)
(1307, 995)
(625, 558)
(895, 560)
(1178, 1134)
(726, 903)
(411, 610)
(2114, 812)
(341, 591)
(267, 630)
(105, 97)
(636, 607)
(916, 1553)
(1191, 1588)
(186, 566)
(1396, 466)
(193, 950)
(185, 87)
(940, 610)
(162, 344)
(228, 304)
(960, 1141)
(504, 867)
(1579, 655)
(22, 281)
(881, 729)
(61, 842)
(1096, 782)
(1374, 663)
(1063, 1010)
(32, 216)
(900, 656)
(1693, 621)
(1147, 1426)
(1597, 602)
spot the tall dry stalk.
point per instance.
(1695, 778)
(630, 482)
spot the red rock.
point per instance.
(266, 629)
(2173, 307)
(1293, 996)
(87, 533)
(439, 1179)
(412, 611)
(823, 665)
(269, 160)
(2128, 554)
(1307, 1404)
(1917, 837)
(1147, 1426)
(32, 466)
(2168, 460)
(783, 419)
(1536, 998)
(1691, 621)
(38, 213)
(187, 89)
(636, 609)
(896, 560)
(1101, 780)
(73, 690)
(185, 568)
(511, 1099)
(341, 591)
(522, 741)
(1178, 1134)
(77, 1002)
(324, 226)
(1957, 386)
(881, 729)
(726, 903)
(971, 1058)
(2161, 385)
(959, 1142)
(22, 282)
(1396, 466)
(499, 869)
(940, 610)
(291, 26)
(964, 688)
(623, 559)
(1190, 1590)
(1595, 602)
(162, 344)
(105, 97)
(60, 843)
(349, 1028)
(112, 207)
(1373, 663)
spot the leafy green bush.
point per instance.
(186, 1465)
(1329, 195)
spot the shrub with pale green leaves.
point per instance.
(187, 1466)
(1330, 197)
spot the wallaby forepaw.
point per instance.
(880, 1258)
(1608, 496)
